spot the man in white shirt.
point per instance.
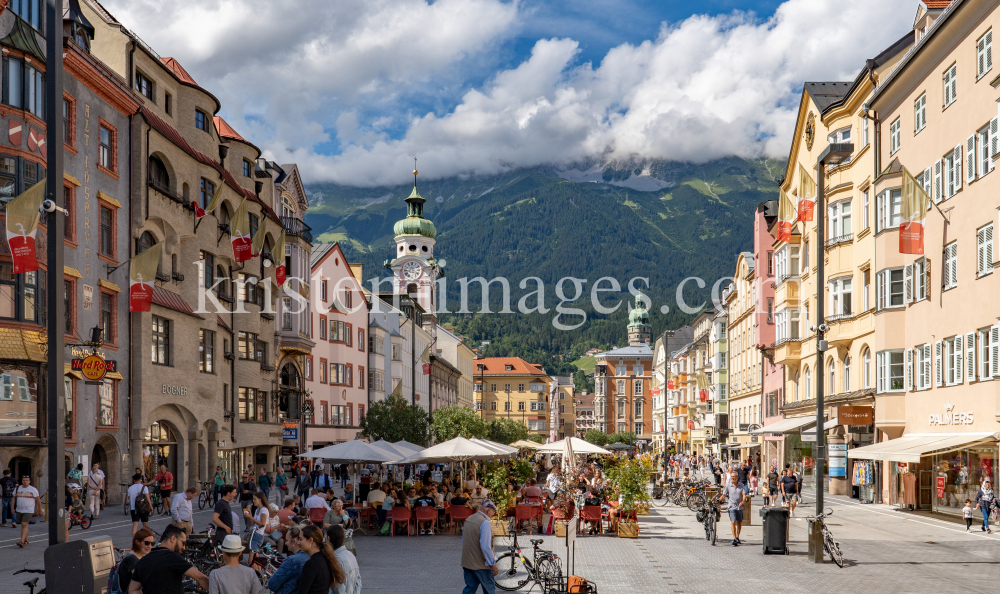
(376, 495)
(181, 510)
(26, 501)
(348, 562)
(316, 501)
(95, 484)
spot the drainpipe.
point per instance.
(232, 365)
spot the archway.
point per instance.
(159, 446)
(20, 466)
(108, 456)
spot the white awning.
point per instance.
(785, 425)
(911, 447)
(826, 426)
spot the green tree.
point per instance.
(536, 437)
(453, 421)
(626, 437)
(598, 438)
(394, 419)
(506, 431)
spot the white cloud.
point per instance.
(707, 87)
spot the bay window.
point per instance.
(889, 371)
(840, 297)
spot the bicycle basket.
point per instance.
(569, 585)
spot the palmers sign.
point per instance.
(950, 418)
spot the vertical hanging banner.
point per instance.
(200, 212)
(23, 215)
(142, 275)
(257, 241)
(239, 232)
(913, 213)
(807, 200)
(786, 216)
(279, 253)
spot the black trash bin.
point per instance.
(775, 530)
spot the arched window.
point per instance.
(806, 385)
(866, 368)
(145, 241)
(158, 175)
(796, 386)
(832, 385)
(847, 373)
(288, 209)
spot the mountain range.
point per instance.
(665, 221)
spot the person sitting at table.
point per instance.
(425, 500)
(471, 482)
(530, 489)
(336, 515)
(411, 495)
(461, 499)
(612, 509)
(402, 500)
(438, 496)
(478, 496)
(446, 486)
(376, 496)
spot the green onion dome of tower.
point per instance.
(415, 223)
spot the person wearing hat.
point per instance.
(233, 578)
(479, 564)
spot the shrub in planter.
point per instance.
(630, 477)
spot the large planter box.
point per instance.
(499, 526)
(560, 528)
(628, 530)
(642, 510)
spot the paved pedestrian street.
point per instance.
(885, 551)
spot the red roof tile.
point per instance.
(498, 366)
(218, 320)
(171, 300)
(174, 136)
(178, 70)
(937, 4)
(226, 131)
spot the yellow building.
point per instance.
(829, 112)
(744, 359)
(512, 388)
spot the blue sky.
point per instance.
(353, 89)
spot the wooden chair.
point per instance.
(459, 513)
(401, 514)
(426, 514)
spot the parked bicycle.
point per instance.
(709, 515)
(831, 546)
(205, 496)
(32, 583)
(516, 570)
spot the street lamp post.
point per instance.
(833, 154)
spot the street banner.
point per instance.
(670, 384)
(786, 216)
(239, 232)
(22, 225)
(257, 242)
(426, 367)
(807, 198)
(142, 275)
(279, 255)
(200, 212)
(914, 211)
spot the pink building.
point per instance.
(335, 372)
(764, 329)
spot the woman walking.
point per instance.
(985, 500)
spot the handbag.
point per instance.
(142, 505)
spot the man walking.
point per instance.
(26, 503)
(790, 490)
(181, 510)
(264, 484)
(479, 564)
(735, 495)
(95, 484)
(7, 486)
(165, 481)
(323, 481)
(303, 482)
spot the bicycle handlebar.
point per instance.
(26, 570)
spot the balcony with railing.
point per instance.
(296, 227)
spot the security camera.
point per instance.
(824, 328)
(51, 206)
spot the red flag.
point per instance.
(703, 393)
(279, 253)
(690, 425)
(142, 275)
(22, 225)
(198, 211)
(786, 216)
(670, 384)
(912, 215)
(427, 368)
(240, 233)
(807, 188)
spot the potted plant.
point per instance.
(494, 477)
(630, 478)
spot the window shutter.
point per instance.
(946, 269)
(970, 356)
(994, 137)
(937, 181)
(958, 359)
(988, 248)
(981, 56)
(908, 283)
(954, 82)
(927, 366)
(954, 264)
(970, 159)
(989, 49)
(879, 292)
(927, 181)
(956, 157)
(909, 369)
(880, 373)
(995, 351)
(938, 376)
(927, 278)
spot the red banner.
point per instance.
(241, 248)
(941, 482)
(279, 274)
(911, 238)
(427, 368)
(784, 231)
(703, 394)
(199, 212)
(806, 208)
(690, 425)
(670, 384)
(140, 296)
(22, 248)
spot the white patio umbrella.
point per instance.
(459, 449)
(351, 452)
(502, 451)
(579, 447)
(568, 460)
(393, 448)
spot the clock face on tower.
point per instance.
(412, 270)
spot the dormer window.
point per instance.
(480, 367)
(144, 86)
(508, 368)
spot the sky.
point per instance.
(352, 90)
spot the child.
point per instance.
(967, 514)
(75, 508)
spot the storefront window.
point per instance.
(958, 475)
(159, 447)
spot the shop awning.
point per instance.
(911, 447)
(785, 425)
(826, 426)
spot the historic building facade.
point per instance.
(622, 379)
(512, 388)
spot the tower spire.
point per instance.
(414, 173)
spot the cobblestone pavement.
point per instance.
(885, 551)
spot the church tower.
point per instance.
(639, 328)
(414, 269)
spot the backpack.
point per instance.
(114, 586)
(142, 505)
(384, 530)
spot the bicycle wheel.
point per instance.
(127, 505)
(696, 501)
(158, 508)
(833, 548)
(202, 500)
(660, 497)
(512, 573)
(713, 529)
(84, 522)
(548, 573)
(507, 540)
